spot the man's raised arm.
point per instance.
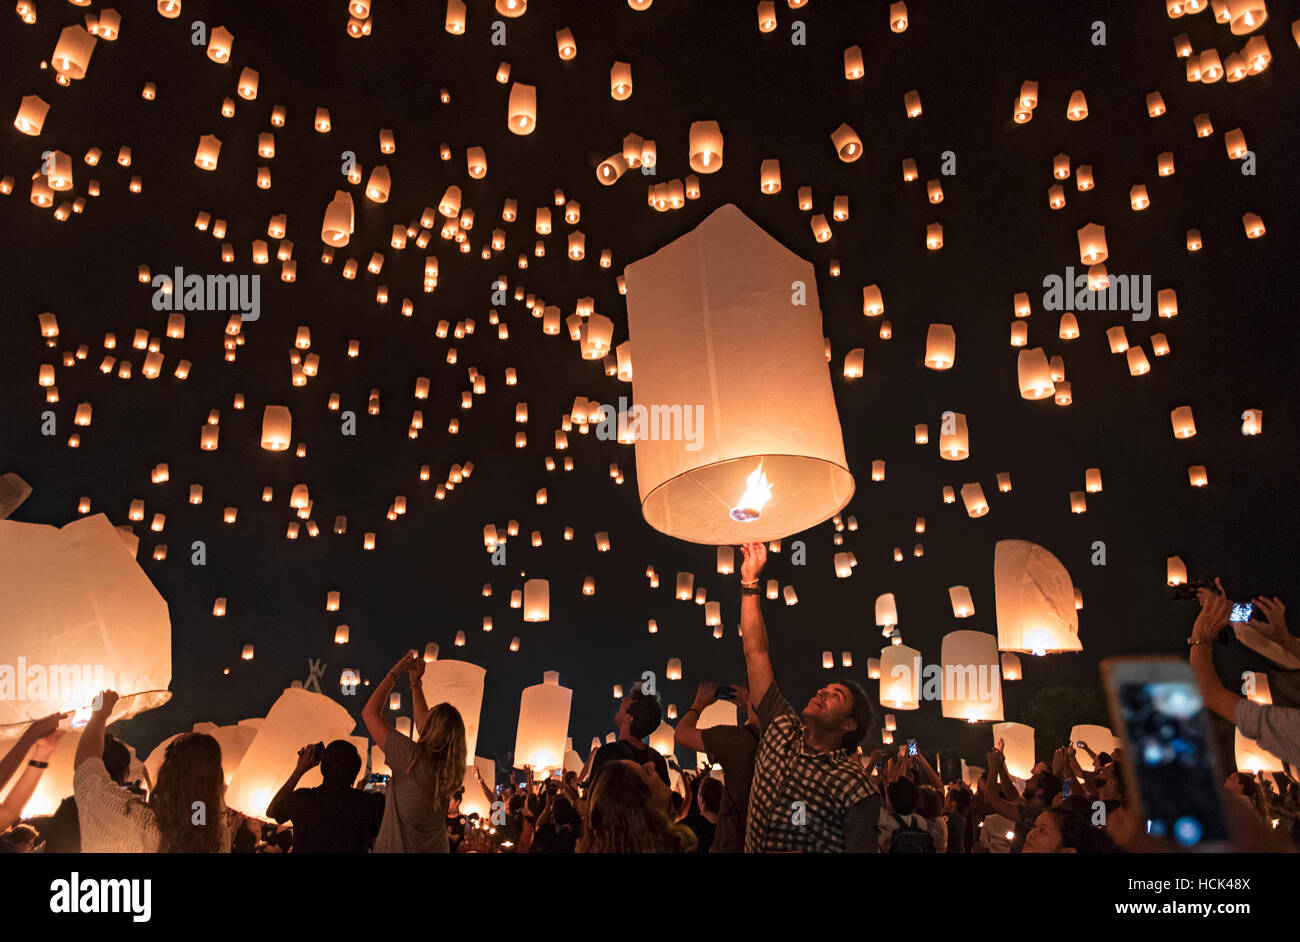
(752, 630)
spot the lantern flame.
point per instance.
(758, 491)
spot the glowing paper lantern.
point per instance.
(772, 424)
(73, 597)
(1017, 747)
(459, 683)
(900, 680)
(299, 716)
(1011, 666)
(1034, 374)
(940, 347)
(1175, 571)
(72, 52)
(277, 428)
(1183, 422)
(706, 151)
(847, 143)
(962, 606)
(1035, 600)
(1099, 739)
(972, 676)
(543, 724)
(886, 610)
(537, 600)
(31, 115)
(954, 438)
(521, 109)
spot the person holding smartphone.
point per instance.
(1275, 728)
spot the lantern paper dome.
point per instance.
(1249, 755)
(1099, 739)
(543, 724)
(299, 716)
(661, 740)
(1035, 600)
(972, 676)
(768, 416)
(537, 600)
(1017, 747)
(459, 683)
(900, 681)
(76, 596)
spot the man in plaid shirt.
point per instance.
(810, 792)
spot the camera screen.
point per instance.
(1167, 732)
(1241, 611)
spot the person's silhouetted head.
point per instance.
(117, 759)
(903, 795)
(340, 764)
(638, 714)
(710, 795)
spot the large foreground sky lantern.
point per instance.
(78, 615)
(459, 683)
(728, 335)
(1035, 600)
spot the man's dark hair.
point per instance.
(340, 763)
(961, 800)
(1049, 786)
(861, 714)
(645, 712)
(562, 810)
(903, 795)
(117, 759)
(710, 795)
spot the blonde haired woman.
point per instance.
(627, 813)
(425, 773)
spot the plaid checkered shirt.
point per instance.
(786, 771)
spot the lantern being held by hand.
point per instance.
(768, 460)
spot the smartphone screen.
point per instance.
(911, 747)
(1167, 730)
(726, 693)
(1065, 788)
(1241, 611)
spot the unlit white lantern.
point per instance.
(972, 676)
(459, 683)
(1035, 600)
(299, 716)
(543, 724)
(1017, 747)
(766, 458)
(900, 680)
(75, 597)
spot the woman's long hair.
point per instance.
(622, 817)
(442, 745)
(191, 772)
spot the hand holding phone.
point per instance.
(1157, 707)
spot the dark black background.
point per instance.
(1233, 343)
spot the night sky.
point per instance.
(1233, 343)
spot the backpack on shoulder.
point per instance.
(908, 839)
